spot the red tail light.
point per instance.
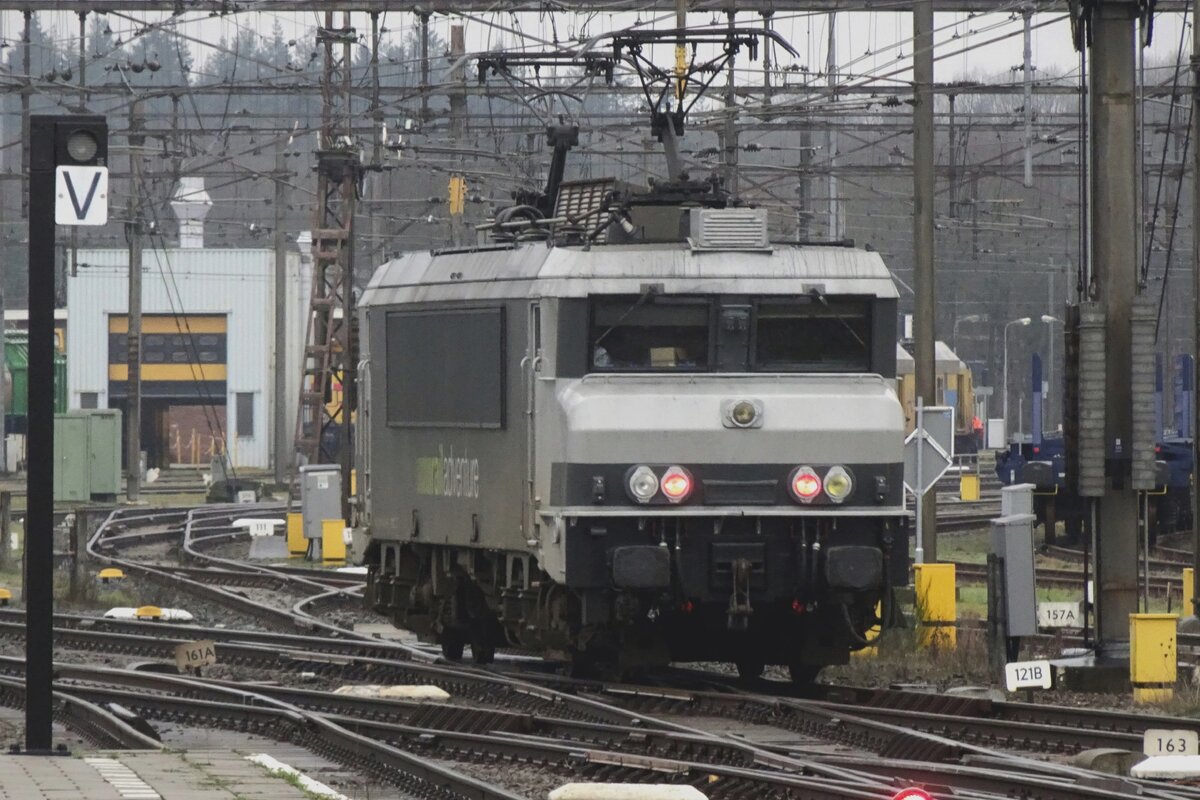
(1036, 450)
(913, 794)
(676, 484)
(805, 484)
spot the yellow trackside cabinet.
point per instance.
(1152, 656)
(937, 605)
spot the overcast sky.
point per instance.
(868, 44)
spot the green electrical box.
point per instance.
(71, 459)
(16, 359)
(104, 449)
(87, 456)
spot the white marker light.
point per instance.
(643, 484)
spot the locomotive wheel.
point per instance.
(804, 674)
(483, 653)
(452, 646)
(750, 669)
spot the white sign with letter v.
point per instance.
(81, 195)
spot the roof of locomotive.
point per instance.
(538, 270)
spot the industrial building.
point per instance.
(207, 357)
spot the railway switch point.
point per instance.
(626, 791)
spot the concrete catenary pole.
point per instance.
(836, 228)
(1196, 312)
(1027, 67)
(133, 235)
(280, 434)
(923, 268)
(5, 386)
(1114, 229)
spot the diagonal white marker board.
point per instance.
(80, 195)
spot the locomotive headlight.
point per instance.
(643, 484)
(805, 484)
(838, 484)
(676, 484)
(743, 413)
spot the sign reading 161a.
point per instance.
(80, 195)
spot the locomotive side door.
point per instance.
(531, 366)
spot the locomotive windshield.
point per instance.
(648, 332)
(813, 334)
(656, 333)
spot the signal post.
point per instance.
(68, 185)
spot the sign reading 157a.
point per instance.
(80, 195)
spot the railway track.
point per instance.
(1062, 578)
(217, 579)
(628, 745)
(841, 744)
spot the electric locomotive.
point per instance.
(632, 429)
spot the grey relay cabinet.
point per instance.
(320, 496)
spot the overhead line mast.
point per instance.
(327, 399)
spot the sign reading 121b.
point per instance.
(80, 195)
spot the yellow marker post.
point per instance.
(457, 191)
(5, 597)
(148, 612)
(333, 546)
(968, 487)
(1189, 580)
(937, 606)
(1152, 656)
(297, 544)
(111, 574)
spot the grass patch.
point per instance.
(967, 548)
(901, 660)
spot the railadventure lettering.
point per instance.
(446, 475)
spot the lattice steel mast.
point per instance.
(326, 400)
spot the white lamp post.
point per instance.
(959, 321)
(1048, 319)
(1022, 321)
